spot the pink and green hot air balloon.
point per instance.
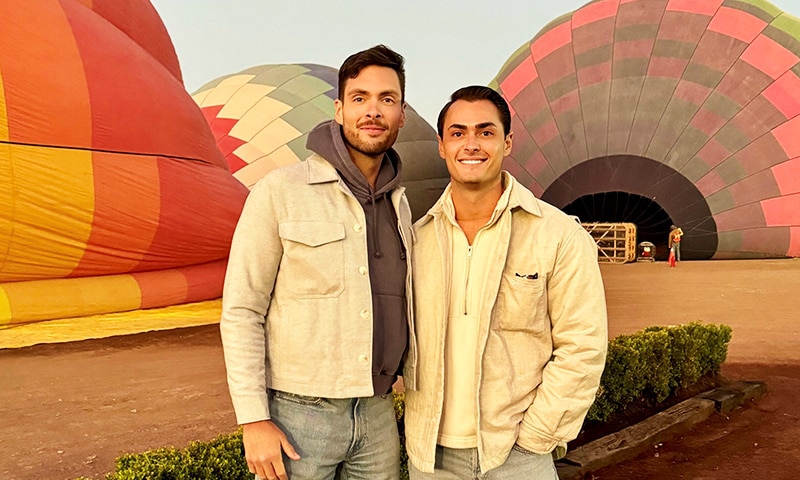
(261, 118)
(666, 112)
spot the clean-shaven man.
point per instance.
(510, 314)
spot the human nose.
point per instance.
(471, 143)
(373, 110)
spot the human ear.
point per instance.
(337, 111)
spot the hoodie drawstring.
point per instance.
(397, 238)
(375, 243)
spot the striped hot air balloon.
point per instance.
(666, 112)
(261, 118)
(113, 194)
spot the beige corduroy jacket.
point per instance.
(542, 337)
(288, 322)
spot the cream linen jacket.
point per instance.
(542, 336)
(297, 304)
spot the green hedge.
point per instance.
(220, 458)
(651, 365)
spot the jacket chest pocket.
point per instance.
(522, 303)
(313, 258)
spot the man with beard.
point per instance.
(315, 315)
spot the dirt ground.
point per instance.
(70, 409)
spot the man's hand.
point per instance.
(263, 443)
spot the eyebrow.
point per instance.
(479, 126)
(384, 93)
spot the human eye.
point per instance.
(487, 133)
(456, 134)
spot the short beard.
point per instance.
(353, 141)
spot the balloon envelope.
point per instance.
(115, 196)
(690, 105)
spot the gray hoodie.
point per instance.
(387, 264)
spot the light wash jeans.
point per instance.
(462, 464)
(345, 439)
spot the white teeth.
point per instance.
(471, 162)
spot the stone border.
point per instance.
(631, 441)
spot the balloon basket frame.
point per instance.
(616, 242)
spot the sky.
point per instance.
(447, 43)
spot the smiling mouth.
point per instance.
(370, 126)
(373, 132)
(471, 161)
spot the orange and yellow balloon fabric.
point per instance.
(113, 193)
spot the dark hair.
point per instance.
(475, 93)
(379, 55)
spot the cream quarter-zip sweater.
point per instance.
(469, 270)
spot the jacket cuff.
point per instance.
(251, 409)
(535, 442)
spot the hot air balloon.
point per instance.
(261, 118)
(663, 112)
(113, 193)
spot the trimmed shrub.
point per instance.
(653, 364)
(696, 351)
(222, 457)
(649, 365)
(637, 366)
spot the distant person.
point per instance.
(315, 307)
(675, 234)
(510, 314)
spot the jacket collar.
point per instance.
(518, 197)
(522, 197)
(320, 170)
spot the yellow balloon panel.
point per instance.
(6, 200)
(243, 100)
(52, 205)
(260, 164)
(111, 324)
(5, 308)
(226, 89)
(274, 136)
(70, 297)
(261, 114)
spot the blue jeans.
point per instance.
(345, 439)
(462, 464)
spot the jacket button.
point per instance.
(363, 358)
(362, 270)
(357, 227)
(364, 313)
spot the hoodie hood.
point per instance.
(327, 141)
